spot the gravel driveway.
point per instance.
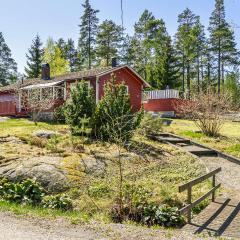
(13, 227)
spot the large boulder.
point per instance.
(46, 169)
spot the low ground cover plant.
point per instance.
(30, 192)
(137, 207)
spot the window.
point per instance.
(127, 89)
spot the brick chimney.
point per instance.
(114, 62)
(45, 71)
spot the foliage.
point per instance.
(53, 56)
(138, 208)
(80, 105)
(88, 31)
(189, 42)
(222, 42)
(69, 53)
(61, 202)
(150, 124)
(232, 87)
(8, 66)
(27, 191)
(108, 41)
(52, 144)
(151, 52)
(206, 110)
(114, 117)
(34, 58)
(99, 190)
(59, 114)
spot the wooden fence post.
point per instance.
(189, 214)
(213, 185)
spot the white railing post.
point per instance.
(161, 94)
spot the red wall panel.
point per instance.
(162, 105)
(7, 108)
(134, 86)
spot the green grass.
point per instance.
(24, 127)
(161, 170)
(227, 142)
(28, 210)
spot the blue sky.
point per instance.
(21, 20)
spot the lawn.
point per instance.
(155, 167)
(228, 142)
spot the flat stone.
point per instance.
(44, 134)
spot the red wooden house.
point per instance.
(58, 88)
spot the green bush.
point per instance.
(161, 215)
(59, 114)
(99, 190)
(61, 202)
(151, 125)
(114, 117)
(80, 105)
(27, 191)
(138, 208)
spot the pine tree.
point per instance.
(35, 56)
(200, 47)
(8, 67)
(171, 68)
(61, 44)
(53, 56)
(88, 32)
(71, 55)
(108, 41)
(140, 37)
(223, 46)
(127, 54)
(186, 44)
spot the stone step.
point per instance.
(173, 140)
(199, 151)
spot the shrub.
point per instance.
(59, 114)
(27, 191)
(150, 124)
(138, 208)
(206, 110)
(37, 141)
(114, 117)
(52, 144)
(161, 215)
(59, 201)
(99, 190)
(80, 105)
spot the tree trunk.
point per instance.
(89, 43)
(198, 75)
(183, 74)
(223, 80)
(219, 66)
(188, 81)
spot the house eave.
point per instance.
(146, 84)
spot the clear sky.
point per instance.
(21, 20)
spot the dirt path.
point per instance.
(14, 227)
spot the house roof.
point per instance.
(68, 76)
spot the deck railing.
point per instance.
(188, 186)
(160, 94)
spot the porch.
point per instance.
(44, 97)
(163, 102)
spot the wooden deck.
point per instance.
(220, 218)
